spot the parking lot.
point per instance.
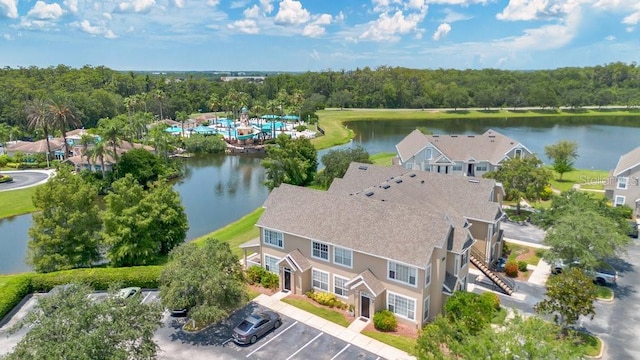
(293, 340)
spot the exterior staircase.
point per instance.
(506, 285)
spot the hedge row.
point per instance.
(19, 286)
(5, 178)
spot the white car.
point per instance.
(605, 274)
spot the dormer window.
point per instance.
(622, 182)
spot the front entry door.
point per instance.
(470, 169)
(364, 306)
(287, 279)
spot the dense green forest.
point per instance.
(100, 92)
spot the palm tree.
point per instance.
(161, 97)
(98, 151)
(85, 141)
(297, 99)
(182, 117)
(64, 116)
(214, 103)
(38, 118)
(111, 131)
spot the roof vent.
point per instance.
(421, 181)
(474, 181)
(362, 167)
(370, 193)
(398, 181)
(471, 136)
(435, 135)
(412, 175)
(492, 136)
(385, 186)
(454, 135)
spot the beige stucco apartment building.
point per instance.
(623, 184)
(467, 155)
(381, 238)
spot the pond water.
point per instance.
(217, 190)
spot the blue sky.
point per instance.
(314, 35)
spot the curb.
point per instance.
(599, 356)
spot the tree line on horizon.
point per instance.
(99, 92)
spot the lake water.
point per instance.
(217, 190)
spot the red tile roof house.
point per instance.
(467, 155)
(623, 184)
(382, 238)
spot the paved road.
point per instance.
(526, 232)
(293, 340)
(24, 179)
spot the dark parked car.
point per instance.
(255, 326)
(179, 312)
(633, 229)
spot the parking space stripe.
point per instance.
(341, 351)
(270, 340)
(145, 298)
(226, 341)
(305, 345)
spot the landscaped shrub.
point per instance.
(99, 278)
(385, 320)
(13, 165)
(327, 299)
(5, 178)
(522, 266)
(511, 268)
(469, 311)
(506, 249)
(546, 193)
(301, 128)
(259, 275)
(4, 160)
(491, 298)
(13, 291)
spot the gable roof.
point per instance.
(36, 147)
(627, 161)
(490, 146)
(369, 280)
(459, 196)
(371, 227)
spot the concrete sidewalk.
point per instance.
(347, 334)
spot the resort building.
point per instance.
(382, 238)
(623, 185)
(467, 155)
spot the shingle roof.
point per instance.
(627, 161)
(371, 281)
(379, 228)
(36, 147)
(458, 196)
(299, 260)
(490, 146)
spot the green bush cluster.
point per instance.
(16, 288)
(205, 144)
(385, 320)
(327, 299)
(301, 128)
(522, 266)
(491, 298)
(511, 268)
(5, 178)
(259, 275)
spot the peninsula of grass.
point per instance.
(383, 158)
(325, 313)
(16, 202)
(604, 293)
(237, 232)
(332, 121)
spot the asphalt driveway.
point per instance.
(25, 178)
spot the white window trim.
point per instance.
(428, 153)
(425, 306)
(406, 297)
(345, 249)
(328, 280)
(328, 251)
(616, 200)
(464, 263)
(619, 182)
(427, 275)
(334, 286)
(456, 265)
(264, 238)
(264, 259)
(389, 262)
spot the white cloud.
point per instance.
(252, 12)
(10, 8)
(245, 26)
(238, 4)
(135, 6)
(267, 6)
(632, 19)
(213, 3)
(441, 32)
(72, 5)
(43, 25)
(291, 12)
(314, 55)
(107, 15)
(610, 38)
(458, 2)
(7, 37)
(452, 16)
(317, 26)
(96, 30)
(179, 3)
(536, 9)
(388, 28)
(416, 4)
(44, 11)
(339, 18)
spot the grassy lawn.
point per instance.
(252, 294)
(589, 179)
(528, 254)
(403, 343)
(383, 158)
(331, 120)
(323, 312)
(499, 316)
(237, 232)
(602, 292)
(590, 343)
(16, 202)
